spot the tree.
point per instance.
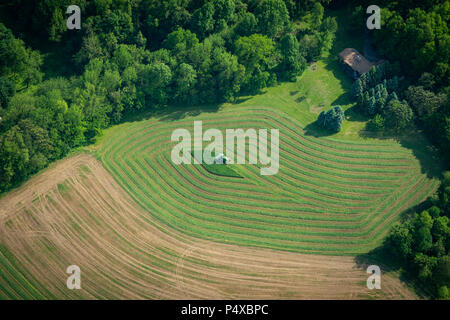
(358, 18)
(293, 64)
(213, 16)
(380, 104)
(258, 54)
(327, 34)
(32, 73)
(427, 81)
(440, 229)
(392, 96)
(119, 23)
(181, 42)
(157, 77)
(273, 17)
(332, 119)
(185, 79)
(159, 18)
(398, 115)
(392, 84)
(376, 123)
(19, 63)
(14, 157)
(91, 98)
(310, 47)
(423, 239)
(123, 57)
(203, 20)
(443, 293)
(73, 133)
(316, 16)
(371, 107)
(434, 211)
(425, 265)
(228, 74)
(437, 127)
(7, 90)
(357, 88)
(90, 49)
(57, 25)
(424, 102)
(442, 271)
(38, 143)
(400, 240)
(247, 25)
(224, 13)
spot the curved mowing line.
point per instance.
(338, 174)
(179, 124)
(264, 124)
(147, 203)
(179, 189)
(311, 205)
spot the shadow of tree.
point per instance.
(241, 100)
(179, 112)
(343, 99)
(171, 113)
(300, 99)
(333, 65)
(353, 114)
(382, 258)
(427, 155)
(313, 129)
(430, 162)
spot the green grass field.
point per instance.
(334, 194)
(329, 197)
(219, 169)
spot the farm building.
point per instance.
(355, 64)
(221, 159)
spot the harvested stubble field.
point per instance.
(141, 227)
(75, 213)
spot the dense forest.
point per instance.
(132, 56)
